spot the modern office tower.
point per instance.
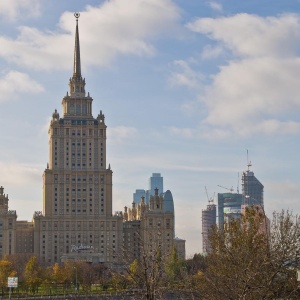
(77, 221)
(252, 189)
(147, 227)
(8, 220)
(209, 217)
(156, 181)
(139, 194)
(168, 201)
(229, 206)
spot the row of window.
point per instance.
(72, 132)
(80, 224)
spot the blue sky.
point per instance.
(186, 86)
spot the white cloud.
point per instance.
(105, 31)
(215, 6)
(257, 90)
(19, 175)
(210, 52)
(14, 84)
(250, 92)
(122, 134)
(250, 35)
(185, 76)
(12, 9)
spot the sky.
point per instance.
(186, 86)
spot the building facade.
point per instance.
(77, 219)
(147, 227)
(8, 225)
(209, 218)
(156, 181)
(229, 207)
(252, 189)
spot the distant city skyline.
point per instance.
(186, 86)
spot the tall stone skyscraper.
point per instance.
(77, 220)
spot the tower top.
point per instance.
(77, 63)
(77, 83)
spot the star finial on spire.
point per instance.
(76, 15)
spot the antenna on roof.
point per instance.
(238, 183)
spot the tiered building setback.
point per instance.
(77, 218)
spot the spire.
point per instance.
(77, 64)
(77, 83)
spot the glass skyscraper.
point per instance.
(156, 181)
(252, 188)
(229, 206)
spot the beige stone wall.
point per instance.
(7, 226)
(153, 226)
(25, 237)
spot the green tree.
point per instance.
(175, 268)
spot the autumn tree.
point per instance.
(19, 262)
(33, 274)
(249, 260)
(6, 270)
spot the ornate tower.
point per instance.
(8, 220)
(77, 219)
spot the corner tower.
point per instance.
(77, 186)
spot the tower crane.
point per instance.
(231, 189)
(210, 200)
(248, 162)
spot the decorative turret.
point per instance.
(55, 115)
(101, 117)
(156, 202)
(125, 215)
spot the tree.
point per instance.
(6, 270)
(33, 274)
(145, 273)
(249, 260)
(175, 268)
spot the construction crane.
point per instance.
(231, 189)
(248, 162)
(210, 200)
